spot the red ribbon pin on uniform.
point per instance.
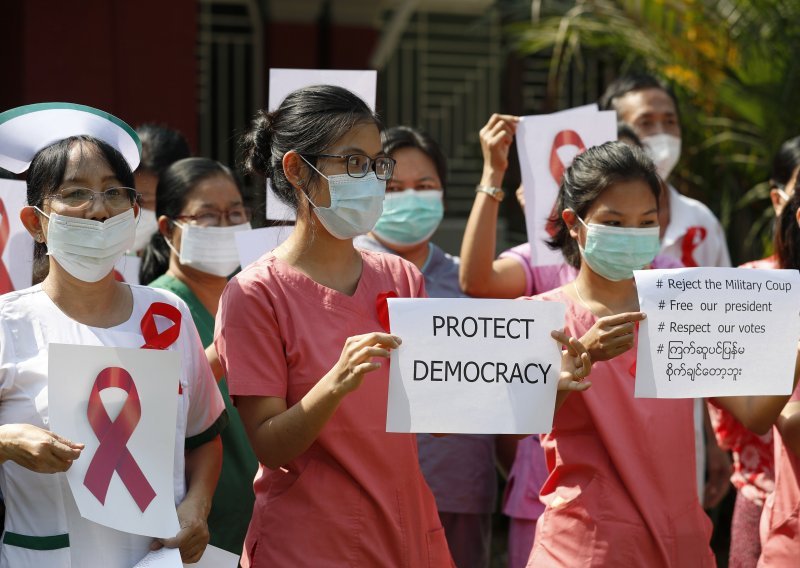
(382, 306)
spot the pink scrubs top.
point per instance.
(622, 487)
(356, 497)
(780, 520)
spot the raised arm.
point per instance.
(279, 434)
(480, 274)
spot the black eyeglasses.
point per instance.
(359, 165)
(115, 198)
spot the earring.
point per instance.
(301, 183)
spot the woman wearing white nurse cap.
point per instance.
(81, 210)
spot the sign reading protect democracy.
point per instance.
(717, 332)
(473, 366)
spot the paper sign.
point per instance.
(473, 366)
(284, 81)
(717, 332)
(122, 404)
(16, 244)
(213, 557)
(253, 244)
(547, 144)
(127, 269)
(162, 558)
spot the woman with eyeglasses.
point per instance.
(200, 209)
(82, 213)
(305, 354)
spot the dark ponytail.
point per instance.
(309, 121)
(175, 185)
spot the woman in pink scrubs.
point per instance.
(622, 487)
(296, 334)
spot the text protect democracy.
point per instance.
(489, 371)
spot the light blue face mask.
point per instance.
(615, 252)
(410, 217)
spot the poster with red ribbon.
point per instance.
(121, 404)
(16, 244)
(547, 144)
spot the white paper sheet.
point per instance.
(252, 245)
(502, 379)
(717, 332)
(128, 268)
(213, 557)
(537, 140)
(17, 252)
(162, 558)
(72, 371)
(284, 81)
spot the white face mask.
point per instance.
(146, 227)
(356, 204)
(665, 151)
(89, 249)
(209, 249)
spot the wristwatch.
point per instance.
(495, 192)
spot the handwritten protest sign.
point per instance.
(473, 366)
(547, 144)
(16, 244)
(284, 81)
(717, 332)
(121, 404)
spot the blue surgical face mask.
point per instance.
(615, 252)
(356, 204)
(410, 217)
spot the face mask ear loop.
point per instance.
(42, 212)
(302, 189)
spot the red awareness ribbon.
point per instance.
(691, 240)
(5, 279)
(563, 138)
(382, 307)
(632, 370)
(153, 339)
(113, 454)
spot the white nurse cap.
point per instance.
(27, 129)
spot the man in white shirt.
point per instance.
(689, 230)
(691, 233)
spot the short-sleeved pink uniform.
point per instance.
(780, 520)
(356, 497)
(622, 488)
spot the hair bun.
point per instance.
(256, 144)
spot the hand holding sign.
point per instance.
(193, 537)
(356, 359)
(36, 449)
(576, 364)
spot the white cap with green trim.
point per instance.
(27, 129)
